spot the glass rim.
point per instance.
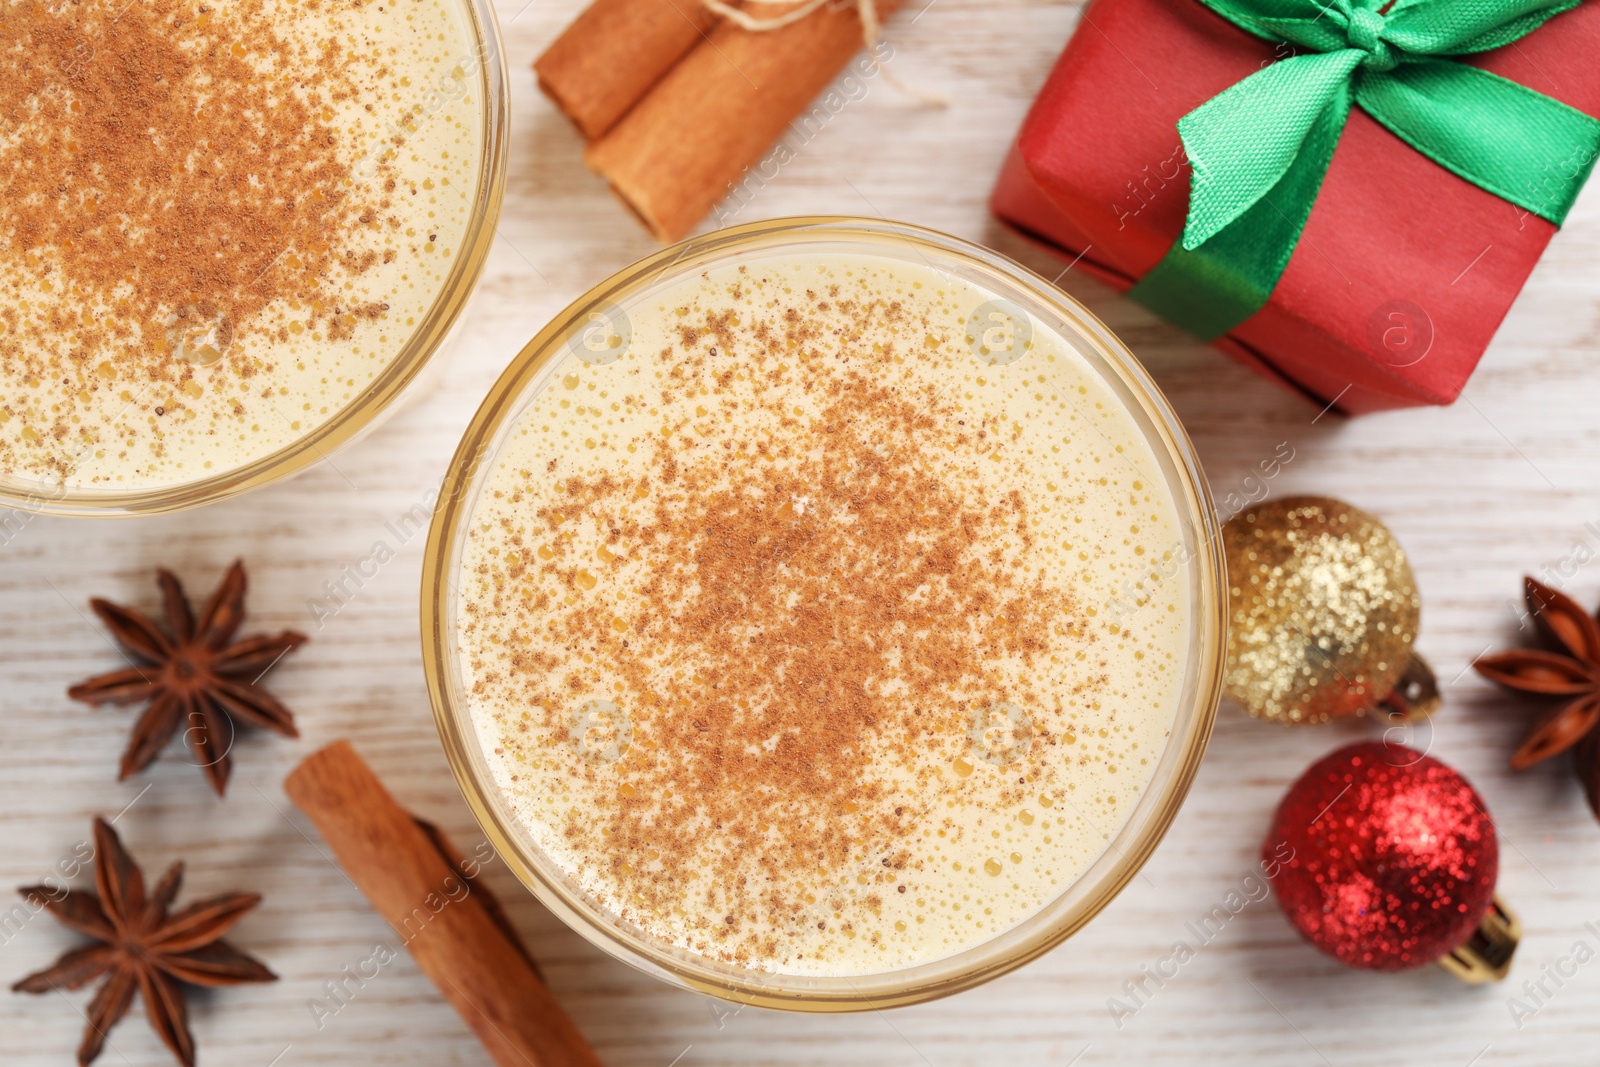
(1042, 931)
(402, 368)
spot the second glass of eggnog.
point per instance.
(234, 233)
(824, 614)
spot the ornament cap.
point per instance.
(1416, 694)
(1486, 955)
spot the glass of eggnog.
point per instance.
(232, 234)
(824, 614)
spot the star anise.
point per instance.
(1571, 671)
(193, 673)
(141, 946)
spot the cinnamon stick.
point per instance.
(416, 881)
(604, 62)
(690, 138)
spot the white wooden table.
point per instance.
(1503, 482)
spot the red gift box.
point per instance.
(1404, 270)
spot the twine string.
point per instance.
(871, 27)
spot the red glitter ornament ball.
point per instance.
(1382, 857)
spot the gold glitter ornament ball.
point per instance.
(1324, 610)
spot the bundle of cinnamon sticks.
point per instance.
(676, 103)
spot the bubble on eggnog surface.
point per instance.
(892, 611)
(206, 264)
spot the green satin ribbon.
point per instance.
(1260, 148)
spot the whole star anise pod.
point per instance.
(1571, 671)
(193, 673)
(141, 946)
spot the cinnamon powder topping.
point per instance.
(802, 637)
(764, 656)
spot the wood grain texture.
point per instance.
(1503, 482)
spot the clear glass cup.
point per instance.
(1200, 564)
(26, 497)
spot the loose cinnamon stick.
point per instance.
(604, 62)
(448, 926)
(688, 140)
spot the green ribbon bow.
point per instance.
(1260, 149)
